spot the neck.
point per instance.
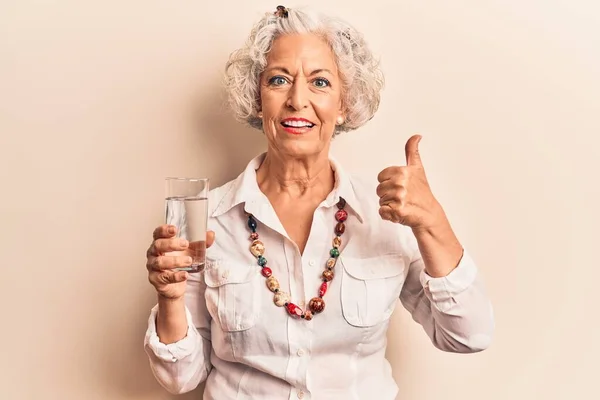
(296, 178)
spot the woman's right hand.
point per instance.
(169, 283)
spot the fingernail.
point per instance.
(188, 260)
(171, 229)
(183, 242)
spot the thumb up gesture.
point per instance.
(404, 193)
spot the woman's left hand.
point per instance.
(404, 193)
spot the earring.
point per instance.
(260, 114)
(340, 120)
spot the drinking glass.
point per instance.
(187, 208)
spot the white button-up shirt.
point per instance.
(248, 348)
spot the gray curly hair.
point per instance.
(359, 71)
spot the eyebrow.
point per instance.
(286, 71)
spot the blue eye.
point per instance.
(321, 82)
(277, 80)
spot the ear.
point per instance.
(342, 110)
(341, 118)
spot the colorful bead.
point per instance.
(272, 283)
(257, 248)
(341, 215)
(293, 310)
(337, 242)
(252, 223)
(331, 263)
(316, 305)
(323, 289)
(281, 298)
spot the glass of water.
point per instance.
(187, 209)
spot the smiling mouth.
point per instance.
(297, 124)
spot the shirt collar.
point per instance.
(244, 189)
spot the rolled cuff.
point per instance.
(443, 289)
(174, 351)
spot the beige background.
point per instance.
(99, 100)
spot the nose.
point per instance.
(298, 96)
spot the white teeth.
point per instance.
(297, 124)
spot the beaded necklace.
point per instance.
(282, 299)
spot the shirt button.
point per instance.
(311, 263)
(300, 353)
(300, 394)
(226, 274)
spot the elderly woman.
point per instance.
(306, 262)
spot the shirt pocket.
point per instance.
(232, 294)
(370, 288)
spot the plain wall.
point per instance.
(100, 100)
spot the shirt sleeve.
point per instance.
(454, 310)
(181, 366)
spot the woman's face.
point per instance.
(300, 92)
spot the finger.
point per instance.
(389, 212)
(387, 198)
(396, 196)
(388, 173)
(151, 252)
(411, 150)
(168, 277)
(389, 186)
(168, 262)
(210, 238)
(164, 231)
(200, 246)
(161, 246)
(159, 279)
(386, 213)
